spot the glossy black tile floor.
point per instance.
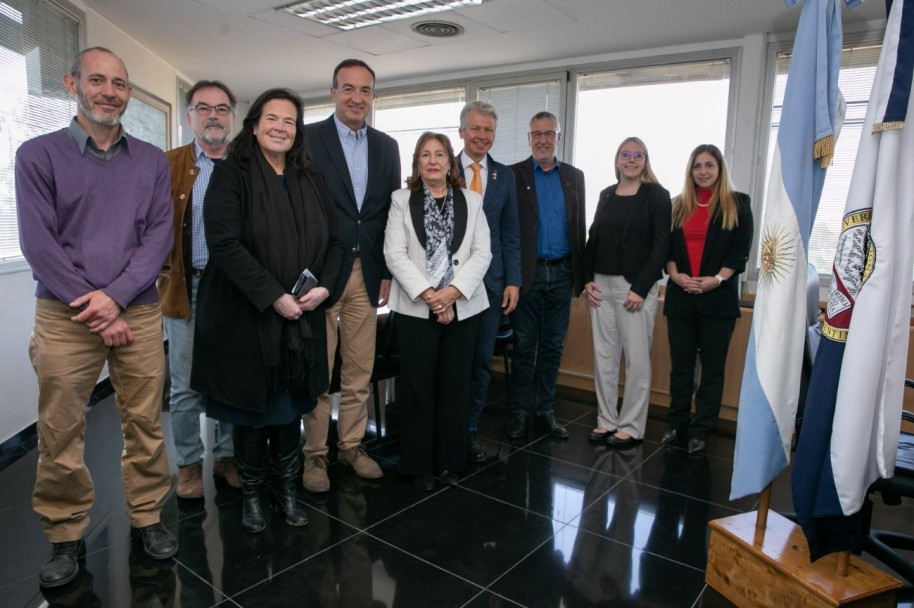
(542, 523)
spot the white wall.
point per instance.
(18, 386)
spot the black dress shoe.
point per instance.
(553, 427)
(62, 564)
(158, 542)
(516, 426)
(476, 453)
(598, 437)
(448, 478)
(622, 444)
(425, 482)
(671, 437)
(696, 446)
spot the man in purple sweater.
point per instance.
(95, 225)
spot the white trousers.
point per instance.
(616, 331)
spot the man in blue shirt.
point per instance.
(550, 204)
(361, 169)
(210, 114)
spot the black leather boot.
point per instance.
(285, 451)
(252, 459)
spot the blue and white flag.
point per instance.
(853, 414)
(810, 118)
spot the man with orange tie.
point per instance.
(495, 182)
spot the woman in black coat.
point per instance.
(260, 355)
(709, 246)
(623, 260)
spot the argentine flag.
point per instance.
(853, 414)
(805, 144)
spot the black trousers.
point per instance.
(709, 338)
(435, 366)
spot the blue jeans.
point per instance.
(489, 320)
(186, 403)
(540, 323)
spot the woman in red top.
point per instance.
(709, 246)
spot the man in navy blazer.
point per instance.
(550, 206)
(495, 182)
(361, 168)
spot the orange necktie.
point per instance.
(476, 182)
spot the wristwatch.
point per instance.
(720, 279)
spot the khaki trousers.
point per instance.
(356, 319)
(68, 360)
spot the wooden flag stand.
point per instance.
(762, 559)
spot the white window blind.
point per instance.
(38, 41)
(516, 105)
(855, 80)
(406, 116)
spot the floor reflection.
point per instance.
(542, 523)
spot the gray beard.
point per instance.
(98, 119)
(213, 141)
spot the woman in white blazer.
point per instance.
(437, 248)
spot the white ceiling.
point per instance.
(252, 46)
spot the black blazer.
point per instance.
(645, 238)
(362, 231)
(723, 249)
(528, 214)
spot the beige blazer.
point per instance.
(405, 257)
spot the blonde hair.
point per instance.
(723, 199)
(647, 174)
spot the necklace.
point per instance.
(705, 205)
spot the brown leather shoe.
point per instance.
(361, 463)
(226, 469)
(190, 481)
(315, 476)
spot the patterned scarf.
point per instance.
(439, 230)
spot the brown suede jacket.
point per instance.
(174, 280)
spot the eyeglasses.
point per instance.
(539, 134)
(204, 110)
(636, 155)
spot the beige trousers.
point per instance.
(68, 360)
(356, 320)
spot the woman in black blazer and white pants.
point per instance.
(623, 260)
(709, 246)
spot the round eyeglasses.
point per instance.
(636, 155)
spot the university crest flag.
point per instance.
(810, 117)
(853, 412)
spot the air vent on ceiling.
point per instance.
(437, 29)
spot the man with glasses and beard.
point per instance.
(95, 226)
(211, 116)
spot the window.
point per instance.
(855, 80)
(516, 105)
(405, 117)
(38, 40)
(185, 135)
(671, 107)
(317, 112)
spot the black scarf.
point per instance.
(290, 234)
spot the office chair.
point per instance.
(882, 544)
(386, 362)
(504, 347)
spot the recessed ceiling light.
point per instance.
(351, 14)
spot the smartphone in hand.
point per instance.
(305, 283)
